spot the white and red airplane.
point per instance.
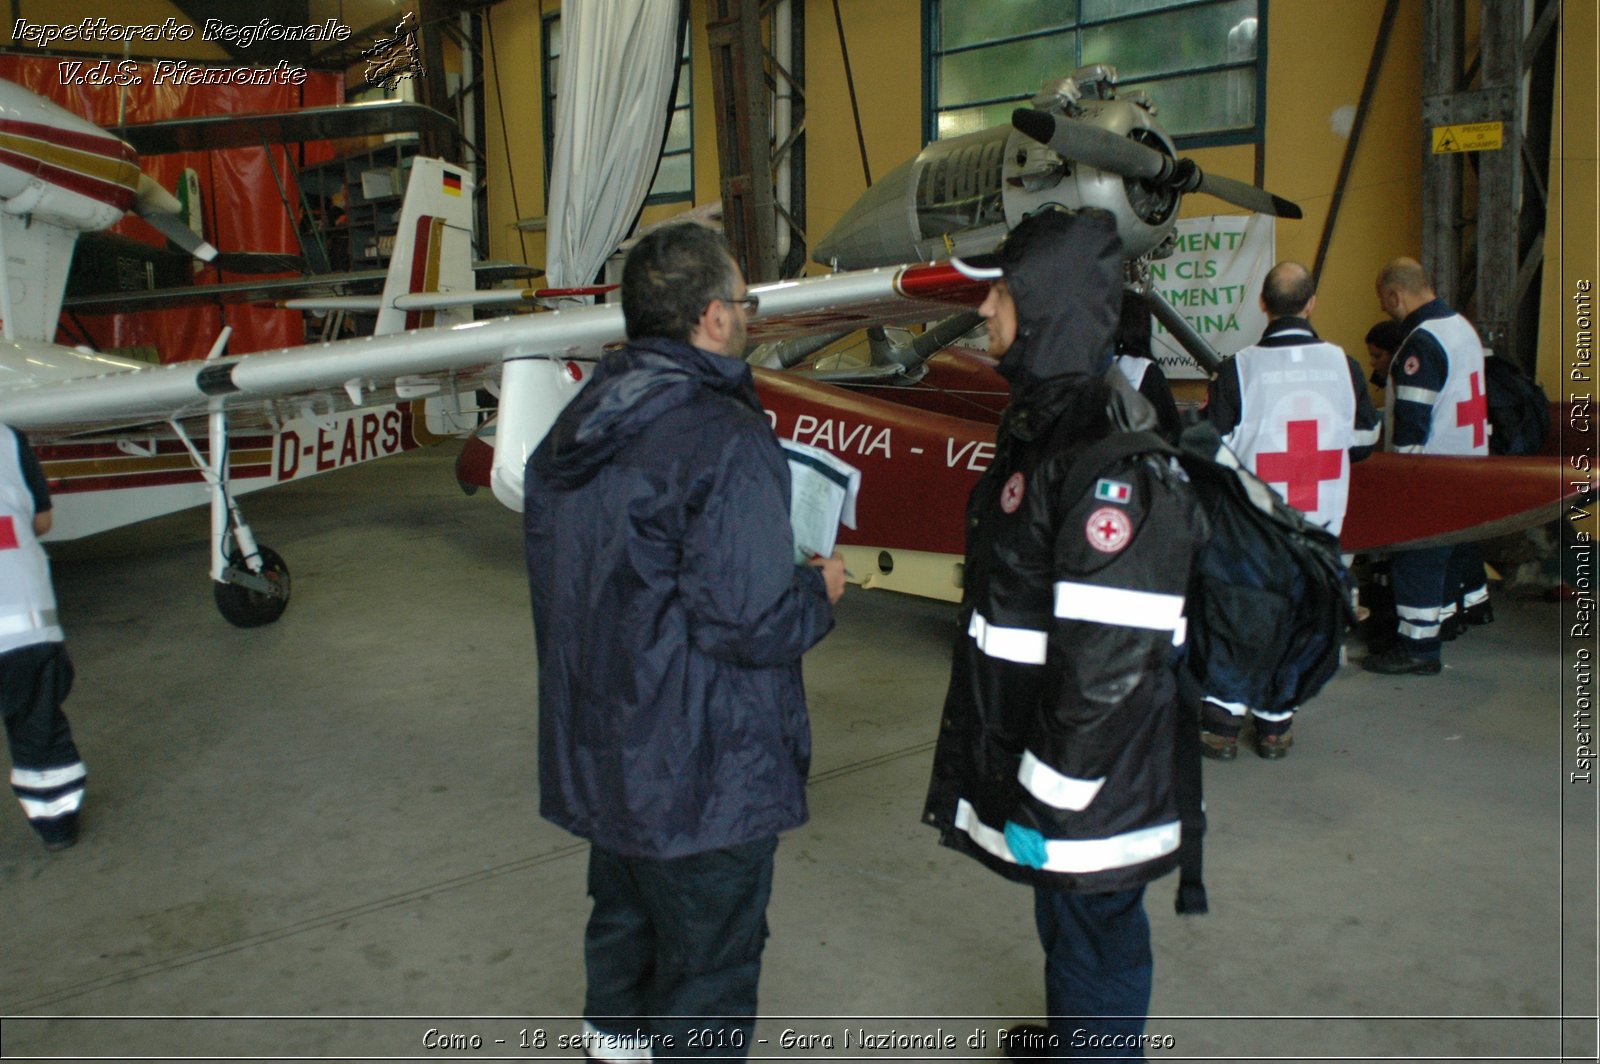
(123, 440)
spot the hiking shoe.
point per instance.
(1272, 747)
(59, 834)
(1478, 615)
(1219, 747)
(1399, 663)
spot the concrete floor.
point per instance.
(320, 839)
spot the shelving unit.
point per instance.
(354, 205)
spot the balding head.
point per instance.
(1288, 291)
(1403, 286)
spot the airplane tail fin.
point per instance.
(432, 246)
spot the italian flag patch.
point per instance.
(1112, 491)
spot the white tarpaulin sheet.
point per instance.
(618, 58)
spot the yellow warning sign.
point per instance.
(1472, 136)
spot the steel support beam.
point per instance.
(1483, 240)
(740, 96)
(765, 230)
(1442, 223)
(1380, 45)
(789, 154)
(1500, 177)
(466, 104)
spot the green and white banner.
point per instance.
(1214, 280)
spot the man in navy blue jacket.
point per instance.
(670, 619)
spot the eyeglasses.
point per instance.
(751, 304)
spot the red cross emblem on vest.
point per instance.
(8, 534)
(1302, 467)
(1474, 411)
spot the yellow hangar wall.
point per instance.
(1317, 57)
(513, 133)
(1572, 235)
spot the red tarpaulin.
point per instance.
(242, 206)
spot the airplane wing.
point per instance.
(209, 132)
(322, 286)
(363, 371)
(472, 297)
(1415, 501)
(233, 292)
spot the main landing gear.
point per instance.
(249, 581)
(249, 597)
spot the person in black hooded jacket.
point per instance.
(670, 618)
(1055, 760)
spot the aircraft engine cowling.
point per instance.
(27, 196)
(1145, 214)
(947, 200)
(961, 195)
(533, 391)
(59, 168)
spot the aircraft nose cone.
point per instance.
(879, 229)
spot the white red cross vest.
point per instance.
(1297, 411)
(1460, 422)
(27, 601)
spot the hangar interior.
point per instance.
(319, 838)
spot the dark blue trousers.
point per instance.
(1466, 589)
(1098, 970)
(1421, 589)
(673, 948)
(47, 774)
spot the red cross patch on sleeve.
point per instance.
(1011, 494)
(1108, 530)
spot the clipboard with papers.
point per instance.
(822, 496)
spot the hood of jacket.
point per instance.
(1065, 273)
(630, 389)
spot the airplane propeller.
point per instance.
(161, 209)
(1091, 145)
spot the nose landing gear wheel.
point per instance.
(248, 607)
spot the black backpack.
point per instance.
(1269, 597)
(1519, 410)
(1268, 607)
(1269, 602)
